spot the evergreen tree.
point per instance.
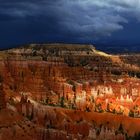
(62, 101)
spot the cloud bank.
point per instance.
(74, 19)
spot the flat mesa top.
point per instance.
(55, 49)
(60, 46)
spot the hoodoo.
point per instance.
(64, 89)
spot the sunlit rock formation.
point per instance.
(69, 92)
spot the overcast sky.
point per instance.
(71, 21)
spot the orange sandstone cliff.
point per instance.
(65, 91)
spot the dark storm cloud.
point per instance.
(68, 19)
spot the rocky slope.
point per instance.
(37, 76)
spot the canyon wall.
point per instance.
(68, 92)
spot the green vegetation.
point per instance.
(62, 102)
